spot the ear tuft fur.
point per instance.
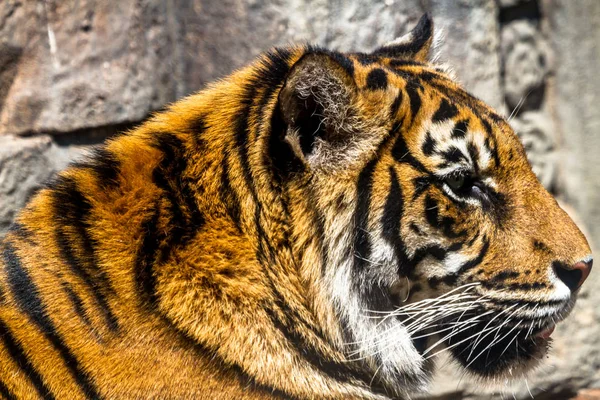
(414, 45)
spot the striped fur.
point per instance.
(261, 239)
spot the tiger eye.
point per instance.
(456, 182)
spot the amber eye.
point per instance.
(456, 182)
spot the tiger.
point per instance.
(317, 225)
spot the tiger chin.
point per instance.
(318, 225)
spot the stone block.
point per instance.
(24, 165)
(525, 64)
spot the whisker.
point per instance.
(455, 344)
(493, 341)
(452, 334)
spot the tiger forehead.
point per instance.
(372, 72)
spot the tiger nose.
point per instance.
(575, 275)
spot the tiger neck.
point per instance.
(235, 287)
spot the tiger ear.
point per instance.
(316, 105)
(415, 45)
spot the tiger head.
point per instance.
(431, 228)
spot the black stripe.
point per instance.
(147, 255)
(421, 184)
(235, 370)
(490, 135)
(460, 129)
(77, 303)
(473, 239)
(374, 296)
(428, 76)
(445, 111)
(5, 392)
(183, 217)
(274, 67)
(364, 188)
(344, 62)
(366, 59)
(434, 250)
(169, 176)
(395, 63)
(22, 232)
(531, 303)
(317, 222)
(478, 107)
(477, 260)
(72, 210)
(460, 95)
(242, 132)
(402, 154)
(431, 211)
(229, 196)
(91, 281)
(17, 353)
(474, 154)
(27, 297)
(377, 79)
(104, 165)
(391, 223)
(393, 209)
(396, 106)
(241, 129)
(453, 155)
(338, 371)
(270, 79)
(455, 246)
(415, 99)
(428, 146)
(504, 275)
(197, 128)
(415, 228)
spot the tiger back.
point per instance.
(316, 225)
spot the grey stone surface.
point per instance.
(513, 3)
(73, 72)
(575, 28)
(525, 57)
(24, 165)
(470, 46)
(86, 63)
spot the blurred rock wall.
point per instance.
(72, 73)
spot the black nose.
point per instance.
(573, 276)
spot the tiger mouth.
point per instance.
(546, 333)
(487, 337)
(504, 349)
(492, 346)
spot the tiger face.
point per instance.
(435, 233)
